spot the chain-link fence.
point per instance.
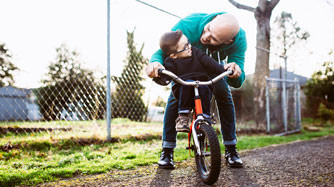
(283, 106)
(72, 100)
(73, 107)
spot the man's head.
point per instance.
(175, 44)
(221, 30)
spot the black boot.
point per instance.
(166, 159)
(232, 157)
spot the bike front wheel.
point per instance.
(209, 162)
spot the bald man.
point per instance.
(219, 35)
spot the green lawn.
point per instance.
(120, 128)
(43, 159)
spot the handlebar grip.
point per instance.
(231, 71)
(160, 71)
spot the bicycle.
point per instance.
(205, 143)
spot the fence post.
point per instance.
(284, 106)
(267, 106)
(108, 74)
(296, 103)
(299, 108)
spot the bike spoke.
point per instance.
(206, 154)
(208, 162)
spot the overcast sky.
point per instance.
(33, 29)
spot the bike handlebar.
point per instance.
(195, 83)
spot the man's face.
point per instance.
(214, 35)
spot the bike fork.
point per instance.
(198, 112)
(195, 136)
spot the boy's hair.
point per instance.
(169, 40)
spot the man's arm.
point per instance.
(236, 63)
(158, 56)
(156, 62)
(236, 60)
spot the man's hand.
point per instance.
(235, 68)
(152, 69)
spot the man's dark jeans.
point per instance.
(225, 104)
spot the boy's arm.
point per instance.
(209, 63)
(164, 80)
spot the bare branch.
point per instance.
(241, 6)
(273, 3)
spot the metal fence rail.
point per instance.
(283, 106)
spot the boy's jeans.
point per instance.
(226, 112)
(186, 99)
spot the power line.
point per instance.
(158, 9)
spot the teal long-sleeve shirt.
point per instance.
(192, 27)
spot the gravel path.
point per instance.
(305, 163)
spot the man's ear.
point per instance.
(172, 55)
(229, 42)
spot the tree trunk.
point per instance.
(262, 64)
(262, 15)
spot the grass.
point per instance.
(30, 162)
(120, 128)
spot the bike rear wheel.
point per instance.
(209, 162)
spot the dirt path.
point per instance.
(307, 163)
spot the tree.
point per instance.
(287, 34)
(6, 67)
(262, 15)
(71, 88)
(320, 88)
(127, 99)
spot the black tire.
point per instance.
(209, 163)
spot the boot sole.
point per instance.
(234, 166)
(166, 167)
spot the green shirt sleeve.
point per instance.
(237, 55)
(158, 56)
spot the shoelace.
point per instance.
(183, 120)
(166, 153)
(232, 153)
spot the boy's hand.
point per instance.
(235, 68)
(152, 69)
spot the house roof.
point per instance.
(290, 76)
(10, 91)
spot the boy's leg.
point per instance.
(205, 94)
(186, 99)
(184, 108)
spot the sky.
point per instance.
(32, 30)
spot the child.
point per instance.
(190, 64)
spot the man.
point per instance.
(219, 34)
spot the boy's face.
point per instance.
(183, 48)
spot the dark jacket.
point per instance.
(197, 67)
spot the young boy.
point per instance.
(190, 64)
